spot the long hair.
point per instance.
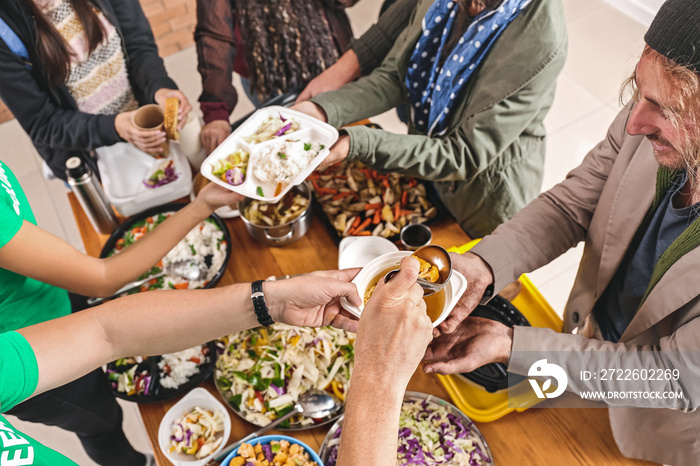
(52, 49)
(683, 111)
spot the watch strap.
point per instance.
(259, 305)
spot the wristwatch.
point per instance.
(259, 305)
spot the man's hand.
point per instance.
(338, 152)
(184, 108)
(213, 196)
(345, 70)
(476, 341)
(311, 109)
(313, 300)
(214, 133)
(479, 277)
(394, 329)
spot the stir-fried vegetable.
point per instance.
(272, 127)
(430, 435)
(427, 271)
(265, 214)
(262, 372)
(129, 381)
(232, 169)
(362, 202)
(197, 432)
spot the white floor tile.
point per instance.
(567, 147)
(18, 152)
(571, 102)
(604, 46)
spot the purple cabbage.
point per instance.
(284, 129)
(278, 390)
(283, 119)
(146, 384)
(234, 176)
(182, 430)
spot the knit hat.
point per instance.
(675, 32)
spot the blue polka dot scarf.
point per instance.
(433, 89)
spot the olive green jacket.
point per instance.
(489, 163)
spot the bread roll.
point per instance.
(172, 105)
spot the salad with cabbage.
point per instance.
(197, 432)
(272, 127)
(429, 434)
(262, 372)
(232, 169)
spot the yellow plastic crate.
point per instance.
(476, 402)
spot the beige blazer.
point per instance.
(603, 202)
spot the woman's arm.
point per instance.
(146, 69)
(41, 118)
(38, 254)
(161, 322)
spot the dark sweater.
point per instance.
(48, 113)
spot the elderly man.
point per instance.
(637, 292)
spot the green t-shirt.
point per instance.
(23, 301)
(20, 376)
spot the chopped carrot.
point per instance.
(403, 212)
(160, 264)
(385, 182)
(404, 198)
(313, 181)
(377, 217)
(376, 205)
(361, 226)
(181, 286)
(342, 195)
(149, 219)
(397, 207)
(278, 189)
(364, 233)
(201, 228)
(355, 223)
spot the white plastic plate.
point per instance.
(310, 130)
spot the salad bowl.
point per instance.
(201, 398)
(458, 426)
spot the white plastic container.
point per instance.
(123, 168)
(205, 400)
(453, 289)
(310, 130)
(358, 251)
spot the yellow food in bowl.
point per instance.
(434, 303)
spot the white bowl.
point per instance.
(205, 400)
(358, 251)
(453, 289)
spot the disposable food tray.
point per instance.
(476, 402)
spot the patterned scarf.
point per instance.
(433, 89)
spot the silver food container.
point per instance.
(284, 234)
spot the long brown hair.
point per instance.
(52, 49)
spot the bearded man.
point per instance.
(635, 202)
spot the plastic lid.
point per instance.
(75, 167)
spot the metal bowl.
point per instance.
(281, 235)
(325, 450)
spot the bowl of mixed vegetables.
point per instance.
(431, 432)
(158, 378)
(273, 450)
(195, 429)
(262, 372)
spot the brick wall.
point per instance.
(172, 22)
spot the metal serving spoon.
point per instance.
(436, 255)
(187, 268)
(315, 404)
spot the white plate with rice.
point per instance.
(290, 146)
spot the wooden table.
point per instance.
(538, 436)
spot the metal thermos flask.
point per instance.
(92, 198)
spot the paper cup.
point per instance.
(150, 118)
